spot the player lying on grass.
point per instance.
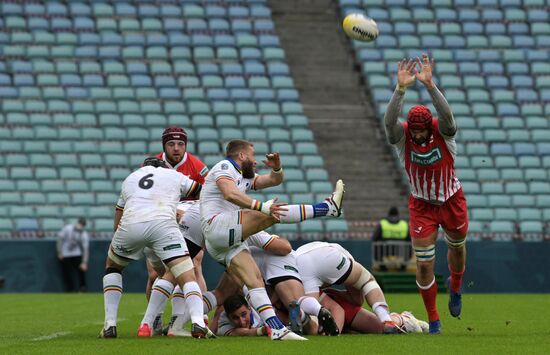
(351, 317)
(339, 268)
(229, 217)
(146, 217)
(280, 272)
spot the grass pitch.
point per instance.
(69, 324)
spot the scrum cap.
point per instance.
(419, 117)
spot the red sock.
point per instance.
(428, 296)
(456, 280)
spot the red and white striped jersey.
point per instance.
(430, 166)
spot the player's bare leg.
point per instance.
(182, 270)
(255, 221)
(456, 259)
(243, 267)
(424, 249)
(362, 280)
(291, 293)
(227, 285)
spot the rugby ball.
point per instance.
(360, 27)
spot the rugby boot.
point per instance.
(108, 333)
(144, 331)
(157, 325)
(294, 315)
(455, 300)
(285, 334)
(435, 327)
(390, 327)
(328, 323)
(335, 201)
(201, 332)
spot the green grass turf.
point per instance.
(490, 324)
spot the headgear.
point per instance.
(419, 117)
(173, 133)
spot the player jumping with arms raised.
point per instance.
(427, 149)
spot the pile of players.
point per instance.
(172, 208)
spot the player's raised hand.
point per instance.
(406, 71)
(424, 75)
(273, 161)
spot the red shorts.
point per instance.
(350, 309)
(425, 218)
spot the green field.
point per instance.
(69, 324)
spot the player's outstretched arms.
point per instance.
(447, 124)
(406, 71)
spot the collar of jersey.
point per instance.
(235, 165)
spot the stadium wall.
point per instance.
(32, 266)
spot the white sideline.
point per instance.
(52, 336)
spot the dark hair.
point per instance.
(234, 302)
(82, 221)
(155, 162)
(236, 146)
(393, 211)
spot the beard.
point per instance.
(248, 169)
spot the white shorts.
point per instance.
(190, 225)
(162, 237)
(152, 258)
(275, 266)
(322, 265)
(223, 237)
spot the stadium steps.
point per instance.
(403, 282)
(345, 126)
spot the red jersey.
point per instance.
(189, 166)
(430, 166)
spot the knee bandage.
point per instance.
(366, 282)
(182, 267)
(425, 253)
(117, 259)
(451, 243)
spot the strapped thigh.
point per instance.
(451, 243)
(426, 253)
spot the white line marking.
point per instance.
(52, 336)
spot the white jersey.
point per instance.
(225, 327)
(151, 193)
(212, 200)
(190, 225)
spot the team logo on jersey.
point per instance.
(225, 166)
(203, 171)
(342, 263)
(291, 268)
(428, 158)
(172, 247)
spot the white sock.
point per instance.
(193, 300)
(382, 311)
(179, 309)
(209, 300)
(297, 213)
(309, 305)
(259, 300)
(162, 290)
(112, 292)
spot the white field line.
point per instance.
(64, 332)
(52, 336)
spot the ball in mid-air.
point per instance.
(360, 27)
